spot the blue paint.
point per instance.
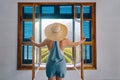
(47, 9)
(65, 9)
(27, 30)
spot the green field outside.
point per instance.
(67, 54)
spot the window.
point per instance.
(34, 17)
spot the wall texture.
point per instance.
(108, 41)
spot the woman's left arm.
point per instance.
(70, 43)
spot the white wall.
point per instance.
(108, 41)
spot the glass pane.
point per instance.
(87, 54)
(68, 50)
(27, 54)
(65, 9)
(37, 30)
(37, 55)
(30, 52)
(87, 12)
(77, 10)
(37, 39)
(77, 38)
(27, 30)
(87, 30)
(47, 9)
(77, 35)
(77, 31)
(37, 11)
(27, 12)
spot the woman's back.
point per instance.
(62, 44)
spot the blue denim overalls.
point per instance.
(56, 65)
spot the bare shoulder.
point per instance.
(68, 42)
(65, 40)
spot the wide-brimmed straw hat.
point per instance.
(56, 31)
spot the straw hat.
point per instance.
(56, 31)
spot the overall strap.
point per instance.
(55, 53)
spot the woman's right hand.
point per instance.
(83, 39)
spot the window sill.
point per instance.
(69, 67)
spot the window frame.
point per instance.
(20, 66)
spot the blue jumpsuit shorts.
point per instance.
(56, 65)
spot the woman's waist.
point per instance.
(55, 61)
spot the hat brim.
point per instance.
(56, 36)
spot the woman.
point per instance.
(56, 42)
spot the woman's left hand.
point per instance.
(31, 39)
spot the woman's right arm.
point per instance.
(38, 44)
